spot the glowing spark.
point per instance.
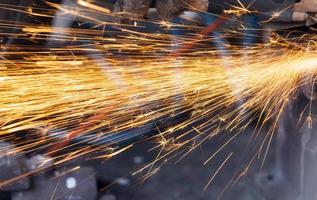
(86, 94)
(93, 6)
(217, 171)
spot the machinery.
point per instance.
(286, 13)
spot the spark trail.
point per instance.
(102, 82)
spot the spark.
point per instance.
(217, 171)
(93, 6)
(86, 92)
(276, 15)
(239, 10)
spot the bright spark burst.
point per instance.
(102, 82)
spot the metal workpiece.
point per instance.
(257, 6)
(199, 5)
(306, 10)
(169, 9)
(166, 9)
(272, 11)
(133, 8)
(274, 14)
(309, 6)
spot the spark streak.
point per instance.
(93, 84)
